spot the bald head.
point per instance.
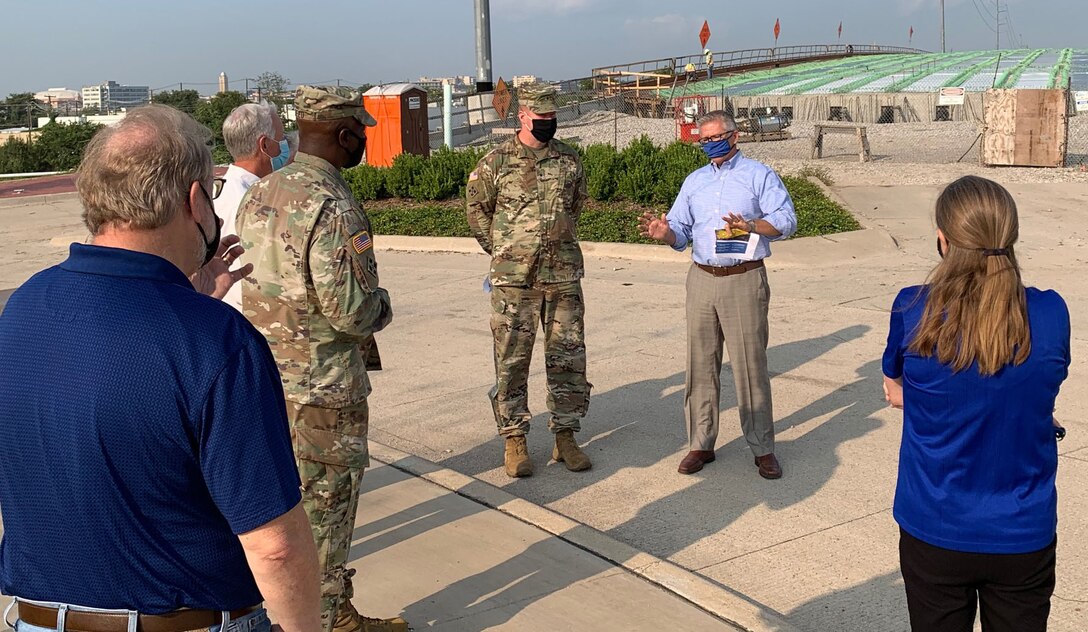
(138, 173)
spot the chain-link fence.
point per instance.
(897, 128)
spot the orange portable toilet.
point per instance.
(401, 112)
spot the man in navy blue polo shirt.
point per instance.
(148, 480)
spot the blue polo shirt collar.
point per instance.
(118, 262)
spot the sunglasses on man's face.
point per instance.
(217, 186)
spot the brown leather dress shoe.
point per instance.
(695, 460)
(769, 467)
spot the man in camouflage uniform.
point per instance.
(524, 200)
(315, 297)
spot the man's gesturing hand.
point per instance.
(215, 278)
(654, 227)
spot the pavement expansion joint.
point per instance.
(793, 539)
(444, 394)
(708, 595)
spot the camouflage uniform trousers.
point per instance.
(516, 311)
(331, 453)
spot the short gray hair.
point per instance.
(138, 173)
(718, 116)
(245, 125)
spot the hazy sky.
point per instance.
(71, 43)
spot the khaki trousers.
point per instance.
(732, 309)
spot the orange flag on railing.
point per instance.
(910, 38)
(777, 29)
(840, 30)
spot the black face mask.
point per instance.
(355, 158)
(544, 129)
(940, 251)
(210, 247)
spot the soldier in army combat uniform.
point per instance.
(523, 203)
(315, 297)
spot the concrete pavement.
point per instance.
(818, 546)
(450, 564)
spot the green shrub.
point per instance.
(367, 182)
(640, 171)
(443, 175)
(816, 213)
(19, 156)
(818, 172)
(678, 160)
(403, 174)
(611, 225)
(62, 146)
(420, 222)
(602, 166)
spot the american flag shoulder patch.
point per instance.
(361, 242)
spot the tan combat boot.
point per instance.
(517, 458)
(349, 620)
(567, 451)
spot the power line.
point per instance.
(981, 17)
(1013, 31)
(985, 7)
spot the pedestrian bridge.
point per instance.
(667, 71)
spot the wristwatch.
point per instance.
(751, 226)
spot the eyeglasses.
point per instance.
(217, 186)
(714, 139)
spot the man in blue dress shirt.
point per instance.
(719, 209)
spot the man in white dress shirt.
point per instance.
(253, 134)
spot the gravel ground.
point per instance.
(902, 153)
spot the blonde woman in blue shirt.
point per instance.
(975, 360)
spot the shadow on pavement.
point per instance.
(854, 608)
(637, 426)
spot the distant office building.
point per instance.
(224, 85)
(518, 80)
(113, 96)
(58, 97)
(431, 83)
(460, 83)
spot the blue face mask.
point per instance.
(717, 148)
(280, 161)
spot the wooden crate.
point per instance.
(1025, 128)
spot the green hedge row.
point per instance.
(643, 173)
(615, 223)
(57, 148)
(623, 184)
(441, 176)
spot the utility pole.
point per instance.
(997, 24)
(483, 46)
(943, 50)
